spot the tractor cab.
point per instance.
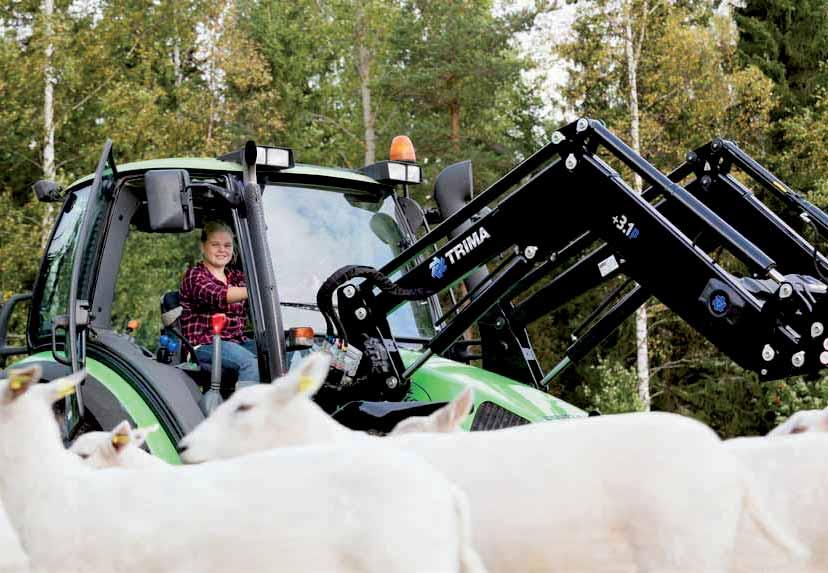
(107, 294)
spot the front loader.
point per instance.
(561, 199)
(718, 189)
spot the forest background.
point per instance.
(466, 79)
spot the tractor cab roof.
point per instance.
(299, 174)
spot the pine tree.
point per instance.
(788, 41)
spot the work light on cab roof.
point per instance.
(400, 168)
(262, 156)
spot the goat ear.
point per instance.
(20, 380)
(121, 436)
(449, 417)
(65, 386)
(309, 376)
(305, 379)
(139, 435)
(313, 371)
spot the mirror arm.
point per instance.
(233, 197)
(5, 318)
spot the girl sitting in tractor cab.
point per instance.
(212, 287)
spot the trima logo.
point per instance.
(468, 244)
(438, 267)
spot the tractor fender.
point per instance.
(168, 391)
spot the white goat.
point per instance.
(351, 509)
(791, 471)
(12, 557)
(636, 492)
(120, 448)
(446, 419)
(801, 422)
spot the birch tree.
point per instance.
(48, 115)
(633, 42)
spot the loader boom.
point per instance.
(560, 197)
(726, 195)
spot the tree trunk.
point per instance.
(176, 57)
(454, 110)
(642, 354)
(364, 61)
(48, 116)
(368, 117)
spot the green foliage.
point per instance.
(689, 87)
(610, 388)
(786, 397)
(788, 41)
(457, 85)
(20, 243)
(314, 75)
(805, 158)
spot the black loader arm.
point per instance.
(719, 190)
(553, 200)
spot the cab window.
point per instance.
(152, 264)
(57, 273)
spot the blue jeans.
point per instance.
(234, 356)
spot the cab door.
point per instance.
(84, 275)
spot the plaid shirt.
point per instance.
(203, 295)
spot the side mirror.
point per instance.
(5, 319)
(453, 188)
(385, 227)
(47, 191)
(413, 213)
(169, 200)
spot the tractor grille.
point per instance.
(490, 416)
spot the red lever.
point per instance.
(217, 321)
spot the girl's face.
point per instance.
(218, 249)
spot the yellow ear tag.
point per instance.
(17, 381)
(305, 383)
(120, 439)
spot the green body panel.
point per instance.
(159, 442)
(440, 379)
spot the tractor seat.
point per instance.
(170, 318)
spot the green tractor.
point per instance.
(296, 226)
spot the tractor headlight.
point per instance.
(267, 157)
(273, 157)
(414, 173)
(394, 172)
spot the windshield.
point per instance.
(313, 232)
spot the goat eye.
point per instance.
(244, 407)
(83, 456)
